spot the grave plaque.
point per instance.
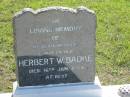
(55, 45)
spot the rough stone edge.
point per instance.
(42, 10)
(60, 8)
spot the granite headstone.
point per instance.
(55, 45)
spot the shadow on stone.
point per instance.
(44, 70)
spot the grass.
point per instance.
(112, 37)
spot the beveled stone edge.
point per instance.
(57, 8)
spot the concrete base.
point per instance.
(72, 90)
(107, 91)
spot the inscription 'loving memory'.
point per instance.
(54, 29)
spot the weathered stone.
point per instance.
(55, 45)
